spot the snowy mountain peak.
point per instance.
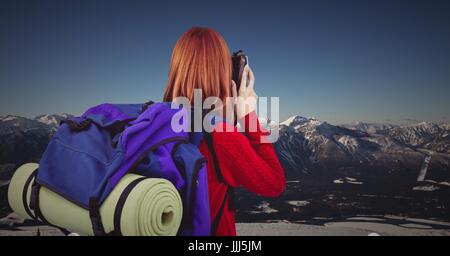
(298, 120)
(291, 119)
(422, 128)
(369, 127)
(51, 120)
(14, 124)
(8, 118)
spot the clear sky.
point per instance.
(339, 61)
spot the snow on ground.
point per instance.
(347, 180)
(443, 183)
(344, 228)
(426, 188)
(298, 203)
(424, 168)
(338, 181)
(264, 207)
(291, 229)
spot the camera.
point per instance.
(239, 60)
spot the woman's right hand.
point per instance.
(245, 98)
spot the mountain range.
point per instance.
(307, 143)
(332, 170)
(359, 169)
(24, 139)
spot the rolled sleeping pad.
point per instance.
(152, 208)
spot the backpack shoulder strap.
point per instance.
(209, 141)
(229, 195)
(215, 222)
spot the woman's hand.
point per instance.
(245, 98)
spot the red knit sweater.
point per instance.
(243, 161)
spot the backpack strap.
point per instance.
(25, 192)
(215, 222)
(34, 203)
(96, 219)
(229, 195)
(146, 105)
(209, 142)
(77, 127)
(120, 204)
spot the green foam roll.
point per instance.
(153, 207)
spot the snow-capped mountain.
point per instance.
(52, 120)
(425, 134)
(315, 135)
(293, 121)
(10, 123)
(308, 144)
(25, 139)
(369, 127)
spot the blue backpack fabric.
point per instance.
(88, 155)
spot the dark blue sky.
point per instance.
(339, 61)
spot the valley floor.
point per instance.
(349, 228)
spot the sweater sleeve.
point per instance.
(245, 161)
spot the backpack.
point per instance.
(88, 155)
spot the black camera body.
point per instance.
(239, 61)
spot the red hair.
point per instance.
(200, 59)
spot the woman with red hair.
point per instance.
(201, 60)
